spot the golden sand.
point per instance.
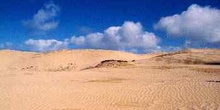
(110, 80)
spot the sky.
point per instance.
(138, 26)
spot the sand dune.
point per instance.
(60, 60)
(110, 80)
(11, 59)
(192, 56)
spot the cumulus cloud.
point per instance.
(46, 45)
(197, 23)
(129, 37)
(45, 19)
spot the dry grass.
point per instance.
(29, 68)
(69, 67)
(207, 70)
(112, 63)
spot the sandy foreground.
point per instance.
(110, 80)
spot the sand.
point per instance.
(110, 80)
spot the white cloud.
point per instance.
(46, 45)
(201, 24)
(45, 19)
(129, 37)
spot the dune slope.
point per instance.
(59, 60)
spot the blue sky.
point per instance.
(139, 26)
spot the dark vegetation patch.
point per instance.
(110, 64)
(29, 68)
(212, 63)
(215, 81)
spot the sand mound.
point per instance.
(191, 56)
(65, 60)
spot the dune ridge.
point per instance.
(67, 60)
(60, 60)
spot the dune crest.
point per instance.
(67, 60)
